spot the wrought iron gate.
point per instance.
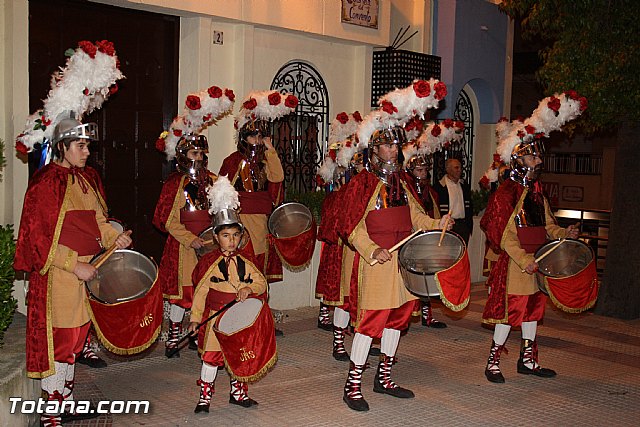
(301, 138)
(463, 150)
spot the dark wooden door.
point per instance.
(131, 120)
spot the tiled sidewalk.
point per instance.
(597, 360)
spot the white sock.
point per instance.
(501, 333)
(389, 341)
(71, 370)
(340, 318)
(360, 348)
(529, 330)
(55, 382)
(176, 314)
(208, 373)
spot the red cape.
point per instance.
(40, 225)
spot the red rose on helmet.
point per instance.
(421, 88)
(206, 118)
(572, 94)
(85, 92)
(160, 144)
(388, 107)
(332, 155)
(250, 104)
(291, 101)
(496, 158)
(436, 131)
(193, 102)
(177, 132)
(45, 121)
(274, 98)
(106, 47)
(458, 124)
(554, 104)
(448, 123)
(21, 148)
(342, 118)
(530, 129)
(357, 117)
(214, 92)
(520, 134)
(113, 89)
(583, 103)
(229, 94)
(520, 119)
(88, 48)
(441, 90)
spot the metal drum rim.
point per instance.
(412, 271)
(153, 283)
(269, 223)
(569, 240)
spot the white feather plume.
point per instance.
(263, 109)
(222, 196)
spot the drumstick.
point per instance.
(204, 322)
(400, 243)
(444, 229)
(103, 258)
(207, 242)
(548, 251)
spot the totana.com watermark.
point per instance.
(41, 406)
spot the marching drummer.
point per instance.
(517, 221)
(417, 167)
(182, 209)
(382, 211)
(58, 258)
(220, 277)
(256, 173)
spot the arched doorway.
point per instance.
(301, 138)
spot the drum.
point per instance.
(421, 257)
(125, 304)
(293, 233)
(117, 224)
(247, 339)
(568, 274)
(209, 237)
(289, 220)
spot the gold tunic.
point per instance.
(258, 286)
(68, 296)
(256, 224)
(380, 286)
(519, 283)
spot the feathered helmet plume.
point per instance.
(202, 109)
(86, 81)
(223, 202)
(341, 145)
(266, 105)
(434, 137)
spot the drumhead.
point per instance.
(571, 257)
(289, 220)
(125, 276)
(118, 225)
(208, 236)
(422, 255)
(239, 316)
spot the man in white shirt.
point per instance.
(455, 197)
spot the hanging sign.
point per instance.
(360, 12)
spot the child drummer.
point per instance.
(220, 277)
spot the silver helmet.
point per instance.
(384, 168)
(252, 128)
(418, 161)
(192, 142)
(225, 217)
(520, 172)
(70, 128)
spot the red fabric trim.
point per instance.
(129, 327)
(455, 282)
(296, 251)
(386, 227)
(195, 221)
(373, 322)
(212, 358)
(531, 238)
(166, 199)
(249, 351)
(67, 342)
(187, 298)
(258, 202)
(80, 232)
(574, 293)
